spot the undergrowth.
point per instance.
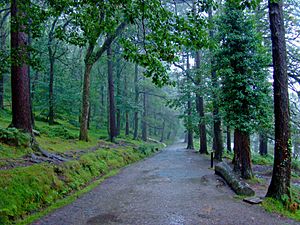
(27, 190)
(24, 190)
(289, 209)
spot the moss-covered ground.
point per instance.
(29, 190)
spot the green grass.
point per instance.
(65, 201)
(26, 191)
(262, 160)
(275, 206)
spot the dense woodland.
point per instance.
(222, 75)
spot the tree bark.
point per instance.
(190, 133)
(126, 111)
(217, 124)
(200, 109)
(236, 149)
(169, 135)
(281, 177)
(51, 80)
(144, 120)
(118, 107)
(263, 144)
(242, 149)
(89, 116)
(83, 136)
(136, 100)
(2, 91)
(90, 60)
(21, 109)
(162, 138)
(3, 36)
(228, 139)
(33, 85)
(111, 95)
(51, 55)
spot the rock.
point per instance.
(36, 133)
(253, 200)
(239, 187)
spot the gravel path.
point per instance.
(174, 187)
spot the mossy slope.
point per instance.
(25, 190)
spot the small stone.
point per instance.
(253, 200)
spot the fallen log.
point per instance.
(238, 186)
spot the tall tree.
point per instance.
(3, 53)
(91, 58)
(111, 96)
(281, 177)
(190, 129)
(228, 139)
(21, 109)
(126, 110)
(243, 67)
(51, 54)
(136, 101)
(200, 108)
(144, 119)
(217, 124)
(263, 144)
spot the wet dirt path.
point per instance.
(174, 187)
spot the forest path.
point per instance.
(174, 187)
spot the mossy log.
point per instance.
(238, 186)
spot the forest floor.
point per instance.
(173, 187)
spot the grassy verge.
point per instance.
(290, 210)
(24, 190)
(65, 201)
(32, 190)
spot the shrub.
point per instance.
(14, 137)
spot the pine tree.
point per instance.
(244, 86)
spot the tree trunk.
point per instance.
(118, 114)
(126, 111)
(185, 137)
(217, 124)
(246, 169)
(126, 123)
(237, 155)
(242, 141)
(83, 136)
(281, 177)
(21, 109)
(200, 109)
(190, 134)
(144, 120)
(29, 82)
(112, 110)
(162, 138)
(51, 80)
(263, 144)
(3, 49)
(89, 116)
(169, 135)
(51, 71)
(33, 85)
(1, 90)
(136, 100)
(228, 139)
(217, 128)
